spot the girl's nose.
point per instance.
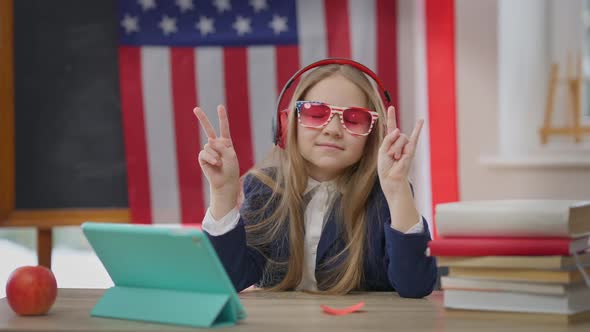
(334, 127)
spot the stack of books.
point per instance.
(526, 256)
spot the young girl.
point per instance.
(331, 212)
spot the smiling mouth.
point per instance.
(332, 146)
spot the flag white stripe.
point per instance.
(160, 134)
(210, 92)
(413, 96)
(262, 85)
(311, 26)
(406, 64)
(363, 32)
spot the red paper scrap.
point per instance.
(343, 311)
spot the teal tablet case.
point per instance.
(164, 275)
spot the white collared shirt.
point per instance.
(315, 216)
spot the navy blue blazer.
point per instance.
(394, 261)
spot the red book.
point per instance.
(507, 246)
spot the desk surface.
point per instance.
(295, 311)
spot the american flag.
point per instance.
(176, 54)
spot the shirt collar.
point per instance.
(312, 184)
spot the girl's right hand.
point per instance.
(218, 158)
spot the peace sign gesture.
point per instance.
(396, 154)
(218, 158)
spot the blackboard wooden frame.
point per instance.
(42, 219)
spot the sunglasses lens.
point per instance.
(357, 121)
(314, 115)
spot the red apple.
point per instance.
(31, 290)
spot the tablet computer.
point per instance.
(163, 274)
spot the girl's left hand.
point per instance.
(395, 155)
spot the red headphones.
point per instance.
(279, 121)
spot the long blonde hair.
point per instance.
(289, 181)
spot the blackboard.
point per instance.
(68, 127)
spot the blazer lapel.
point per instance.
(328, 237)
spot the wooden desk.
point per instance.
(294, 311)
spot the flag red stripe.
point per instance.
(440, 59)
(287, 63)
(387, 48)
(138, 185)
(337, 28)
(184, 99)
(235, 63)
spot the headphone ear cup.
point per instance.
(283, 122)
(274, 129)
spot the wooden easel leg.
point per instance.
(545, 130)
(578, 100)
(44, 246)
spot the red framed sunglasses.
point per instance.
(357, 121)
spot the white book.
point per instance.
(518, 302)
(565, 263)
(514, 218)
(456, 283)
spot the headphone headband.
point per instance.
(279, 123)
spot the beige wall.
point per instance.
(477, 112)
